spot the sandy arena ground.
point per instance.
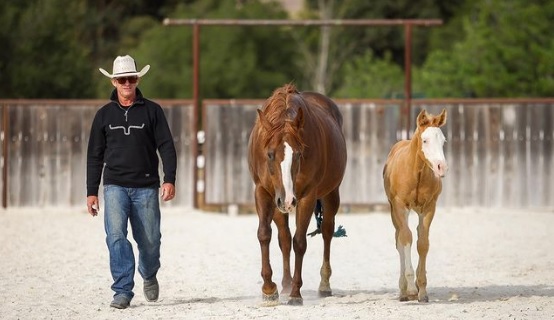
(483, 264)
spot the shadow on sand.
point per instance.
(457, 295)
(441, 295)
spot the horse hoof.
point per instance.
(324, 294)
(423, 299)
(270, 300)
(295, 302)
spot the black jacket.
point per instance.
(124, 143)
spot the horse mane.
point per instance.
(280, 110)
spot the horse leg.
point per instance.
(285, 244)
(304, 212)
(265, 209)
(422, 250)
(330, 206)
(403, 237)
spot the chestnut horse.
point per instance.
(296, 156)
(412, 177)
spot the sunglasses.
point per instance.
(123, 80)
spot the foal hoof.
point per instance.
(408, 298)
(324, 294)
(295, 301)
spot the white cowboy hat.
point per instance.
(125, 66)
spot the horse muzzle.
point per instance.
(440, 168)
(287, 205)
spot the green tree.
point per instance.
(236, 62)
(384, 42)
(370, 77)
(43, 58)
(53, 48)
(506, 50)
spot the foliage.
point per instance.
(486, 48)
(42, 56)
(507, 51)
(235, 61)
(385, 42)
(370, 77)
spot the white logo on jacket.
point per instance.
(127, 131)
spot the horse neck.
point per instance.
(416, 155)
(422, 171)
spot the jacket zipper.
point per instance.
(126, 110)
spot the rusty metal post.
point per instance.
(5, 142)
(196, 108)
(408, 77)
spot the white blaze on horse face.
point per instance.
(432, 142)
(286, 175)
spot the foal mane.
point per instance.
(280, 111)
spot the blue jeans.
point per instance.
(141, 207)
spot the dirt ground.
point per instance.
(482, 264)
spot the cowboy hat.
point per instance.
(125, 66)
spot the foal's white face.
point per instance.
(432, 142)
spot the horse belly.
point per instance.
(332, 159)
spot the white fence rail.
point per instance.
(45, 144)
(500, 152)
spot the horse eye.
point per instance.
(424, 140)
(271, 155)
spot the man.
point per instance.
(125, 136)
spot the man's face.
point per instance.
(126, 85)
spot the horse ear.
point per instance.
(441, 118)
(422, 119)
(299, 119)
(263, 120)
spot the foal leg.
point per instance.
(422, 250)
(406, 282)
(285, 244)
(330, 208)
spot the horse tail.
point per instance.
(318, 213)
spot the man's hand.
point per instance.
(93, 205)
(168, 191)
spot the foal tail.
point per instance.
(318, 213)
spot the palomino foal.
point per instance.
(412, 177)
